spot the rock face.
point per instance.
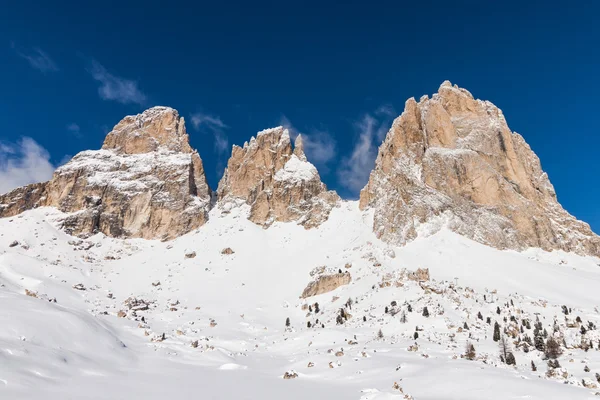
(276, 181)
(326, 283)
(452, 161)
(146, 182)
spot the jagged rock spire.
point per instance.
(452, 161)
(299, 148)
(146, 181)
(277, 182)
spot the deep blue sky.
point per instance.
(335, 72)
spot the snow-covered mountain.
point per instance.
(452, 161)
(125, 276)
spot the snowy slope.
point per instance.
(235, 306)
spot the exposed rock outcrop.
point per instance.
(326, 283)
(452, 161)
(146, 181)
(277, 182)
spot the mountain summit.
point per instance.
(453, 161)
(278, 183)
(146, 181)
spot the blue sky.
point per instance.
(69, 71)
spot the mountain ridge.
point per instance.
(449, 160)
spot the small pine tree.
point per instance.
(598, 377)
(309, 308)
(538, 342)
(533, 367)
(416, 335)
(380, 334)
(578, 319)
(545, 333)
(425, 312)
(511, 303)
(409, 308)
(470, 351)
(317, 310)
(510, 359)
(488, 320)
(287, 321)
(498, 310)
(505, 352)
(465, 326)
(364, 318)
(527, 324)
(504, 347)
(583, 330)
(386, 309)
(586, 369)
(553, 349)
(496, 336)
(308, 325)
(479, 315)
(403, 318)
(553, 364)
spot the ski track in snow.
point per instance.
(235, 306)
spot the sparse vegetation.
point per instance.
(470, 351)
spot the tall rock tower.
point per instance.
(451, 161)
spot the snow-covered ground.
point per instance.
(104, 318)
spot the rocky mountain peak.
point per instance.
(157, 127)
(452, 161)
(276, 180)
(146, 181)
(299, 148)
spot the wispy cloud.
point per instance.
(355, 168)
(115, 88)
(37, 58)
(319, 145)
(215, 126)
(74, 129)
(23, 163)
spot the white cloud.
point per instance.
(213, 125)
(38, 59)
(112, 87)
(355, 169)
(319, 146)
(23, 163)
(74, 129)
